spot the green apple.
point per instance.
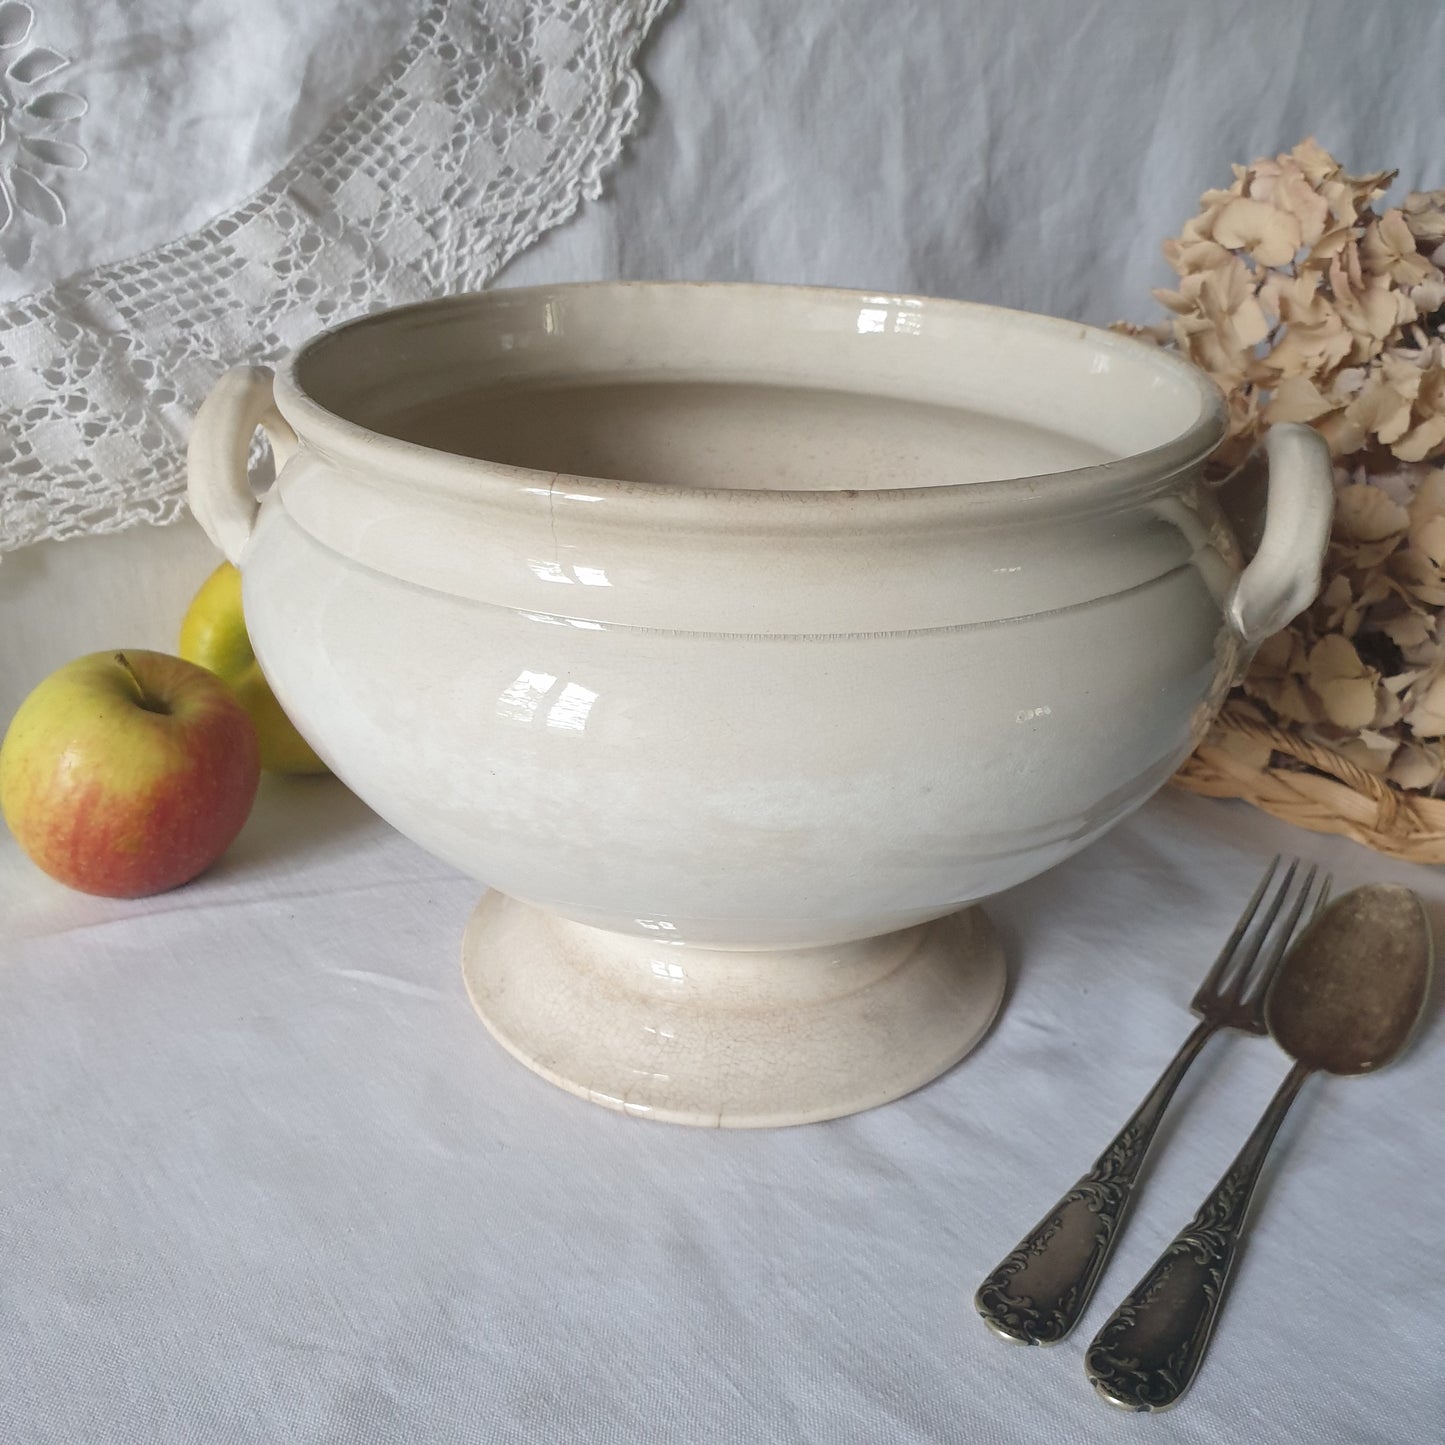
(127, 773)
(213, 634)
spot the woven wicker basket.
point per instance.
(1315, 788)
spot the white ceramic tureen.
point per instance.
(740, 638)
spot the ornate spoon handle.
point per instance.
(1148, 1353)
(1038, 1292)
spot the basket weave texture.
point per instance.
(1313, 787)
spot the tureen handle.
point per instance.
(218, 483)
(1283, 577)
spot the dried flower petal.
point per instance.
(1315, 339)
(1408, 630)
(1424, 440)
(1335, 603)
(1249, 750)
(1286, 697)
(1333, 657)
(1424, 213)
(1417, 768)
(1269, 235)
(1297, 398)
(1349, 702)
(1427, 718)
(1420, 577)
(1315, 161)
(1401, 680)
(1358, 751)
(1366, 514)
(1367, 305)
(1429, 495)
(1275, 654)
(1381, 410)
(1283, 184)
(1429, 295)
(1388, 249)
(1201, 255)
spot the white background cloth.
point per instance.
(189, 107)
(265, 1177)
(1028, 153)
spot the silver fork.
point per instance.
(1037, 1294)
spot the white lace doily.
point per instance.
(490, 125)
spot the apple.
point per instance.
(213, 634)
(127, 773)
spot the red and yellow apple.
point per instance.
(127, 773)
(213, 634)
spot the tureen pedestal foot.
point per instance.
(733, 1039)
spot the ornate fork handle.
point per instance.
(1038, 1292)
(1148, 1353)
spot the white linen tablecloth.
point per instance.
(267, 1178)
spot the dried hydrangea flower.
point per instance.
(1307, 302)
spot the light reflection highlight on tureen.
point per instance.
(521, 699)
(555, 571)
(901, 311)
(570, 710)
(552, 620)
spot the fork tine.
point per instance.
(1228, 983)
(1216, 971)
(1232, 984)
(1254, 981)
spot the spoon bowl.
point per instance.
(1349, 995)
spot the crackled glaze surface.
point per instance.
(725, 1039)
(752, 618)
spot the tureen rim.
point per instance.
(441, 473)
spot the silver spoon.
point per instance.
(1346, 1001)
